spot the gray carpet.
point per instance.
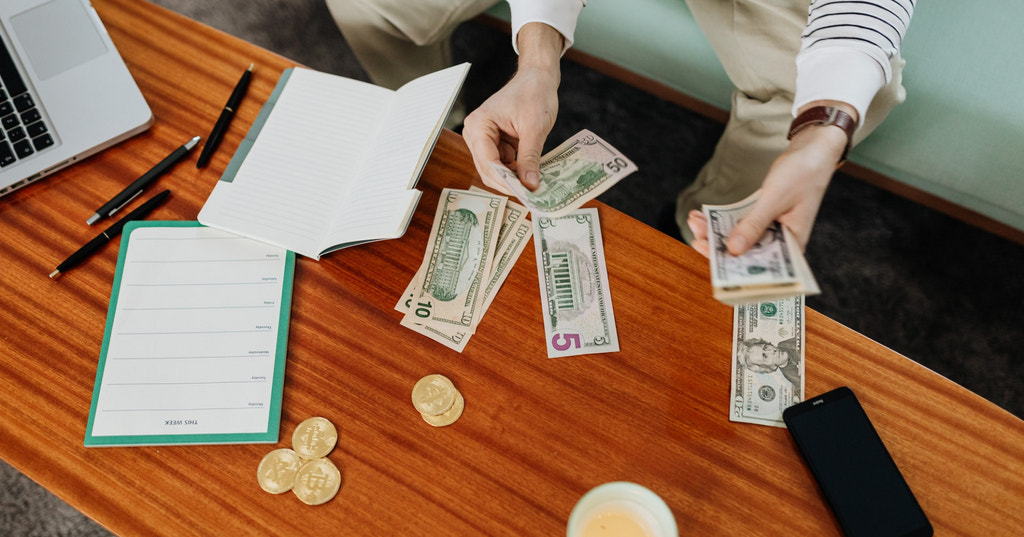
(932, 288)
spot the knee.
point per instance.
(389, 19)
(358, 16)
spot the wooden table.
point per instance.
(536, 434)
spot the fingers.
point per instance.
(483, 138)
(528, 159)
(699, 227)
(750, 228)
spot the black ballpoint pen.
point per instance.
(111, 232)
(225, 118)
(140, 184)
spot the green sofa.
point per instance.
(957, 141)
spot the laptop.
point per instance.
(65, 92)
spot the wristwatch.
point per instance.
(826, 115)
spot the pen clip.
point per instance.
(126, 202)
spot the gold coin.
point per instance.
(317, 481)
(449, 417)
(314, 438)
(276, 473)
(433, 395)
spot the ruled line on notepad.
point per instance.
(264, 381)
(223, 357)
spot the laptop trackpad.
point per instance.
(57, 36)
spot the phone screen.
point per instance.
(857, 475)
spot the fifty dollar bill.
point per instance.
(572, 174)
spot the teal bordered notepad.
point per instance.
(195, 342)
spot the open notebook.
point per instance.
(332, 162)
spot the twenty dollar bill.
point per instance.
(767, 360)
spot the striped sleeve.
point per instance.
(846, 49)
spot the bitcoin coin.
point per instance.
(317, 481)
(276, 472)
(314, 438)
(449, 417)
(433, 395)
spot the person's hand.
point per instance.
(510, 127)
(791, 193)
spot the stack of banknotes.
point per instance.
(773, 268)
(477, 237)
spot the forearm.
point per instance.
(540, 47)
(561, 15)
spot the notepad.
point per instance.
(195, 341)
(332, 162)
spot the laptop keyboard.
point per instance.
(23, 132)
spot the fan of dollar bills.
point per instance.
(477, 237)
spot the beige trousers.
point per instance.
(398, 40)
(756, 40)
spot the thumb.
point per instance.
(528, 161)
(748, 231)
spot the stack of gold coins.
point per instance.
(304, 470)
(437, 400)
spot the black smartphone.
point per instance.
(858, 477)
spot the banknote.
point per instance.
(773, 268)
(458, 259)
(516, 231)
(572, 174)
(514, 234)
(575, 298)
(767, 360)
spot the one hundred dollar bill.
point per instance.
(572, 174)
(773, 268)
(575, 298)
(457, 261)
(767, 360)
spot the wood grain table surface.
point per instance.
(537, 433)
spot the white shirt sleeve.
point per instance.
(846, 50)
(559, 14)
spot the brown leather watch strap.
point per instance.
(826, 115)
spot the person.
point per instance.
(833, 65)
(761, 356)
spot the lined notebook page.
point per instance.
(193, 345)
(304, 162)
(396, 160)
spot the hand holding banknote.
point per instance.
(773, 267)
(571, 174)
